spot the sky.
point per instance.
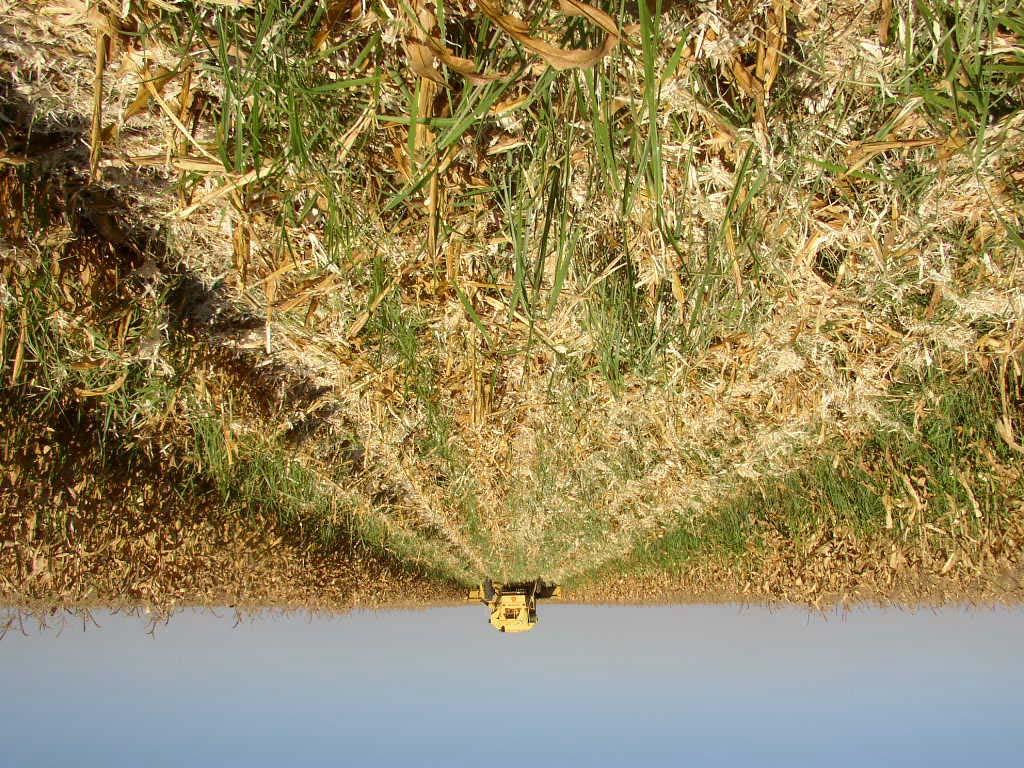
(591, 685)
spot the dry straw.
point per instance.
(791, 208)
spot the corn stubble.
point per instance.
(518, 290)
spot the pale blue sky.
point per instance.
(592, 685)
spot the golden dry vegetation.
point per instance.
(659, 299)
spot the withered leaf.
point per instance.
(464, 67)
(160, 79)
(422, 62)
(592, 14)
(107, 390)
(558, 58)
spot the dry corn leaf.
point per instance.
(506, 144)
(107, 390)
(464, 67)
(336, 11)
(159, 79)
(558, 58)
(305, 292)
(226, 188)
(768, 64)
(9, 159)
(746, 82)
(510, 105)
(96, 132)
(884, 21)
(860, 153)
(241, 247)
(422, 62)
(1005, 429)
(949, 564)
(589, 12)
(3, 339)
(19, 353)
(423, 58)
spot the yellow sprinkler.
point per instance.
(513, 607)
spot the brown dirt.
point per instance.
(838, 567)
(80, 527)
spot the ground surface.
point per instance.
(714, 299)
